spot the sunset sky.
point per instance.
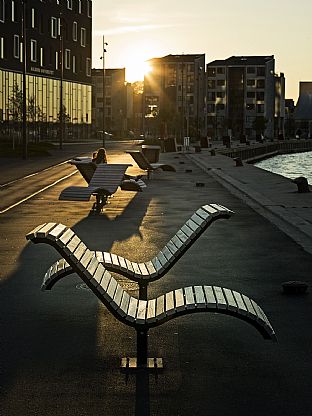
(137, 30)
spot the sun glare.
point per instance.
(135, 70)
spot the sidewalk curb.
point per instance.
(291, 224)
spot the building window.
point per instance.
(220, 107)
(211, 84)
(260, 95)
(75, 31)
(261, 71)
(260, 83)
(250, 107)
(260, 108)
(251, 69)
(88, 67)
(70, 4)
(220, 94)
(211, 72)
(83, 36)
(41, 57)
(250, 94)
(13, 11)
(67, 58)
(221, 82)
(251, 82)
(53, 27)
(1, 48)
(16, 46)
(33, 18)
(211, 96)
(2, 11)
(89, 8)
(74, 64)
(33, 50)
(221, 70)
(79, 7)
(211, 108)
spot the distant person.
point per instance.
(99, 156)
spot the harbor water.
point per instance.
(290, 165)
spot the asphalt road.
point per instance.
(60, 350)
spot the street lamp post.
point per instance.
(104, 85)
(61, 83)
(24, 114)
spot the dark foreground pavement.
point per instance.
(60, 350)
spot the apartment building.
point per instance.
(174, 96)
(303, 111)
(244, 97)
(114, 90)
(58, 67)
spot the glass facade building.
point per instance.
(58, 63)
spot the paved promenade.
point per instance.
(60, 350)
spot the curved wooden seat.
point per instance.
(158, 266)
(144, 164)
(145, 314)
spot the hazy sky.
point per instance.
(138, 30)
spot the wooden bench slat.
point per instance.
(250, 310)
(141, 312)
(182, 236)
(203, 214)
(124, 305)
(143, 270)
(136, 268)
(231, 304)
(79, 252)
(210, 297)
(131, 314)
(170, 304)
(189, 297)
(240, 302)
(173, 248)
(210, 209)
(168, 255)
(151, 269)
(156, 263)
(129, 266)
(56, 232)
(192, 225)
(179, 300)
(44, 231)
(122, 262)
(99, 255)
(65, 237)
(107, 257)
(187, 231)
(117, 297)
(98, 275)
(151, 311)
(72, 245)
(199, 297)
(160, 307)
(85, 259)
(221, 301)
(198, 220)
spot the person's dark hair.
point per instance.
(100, 156)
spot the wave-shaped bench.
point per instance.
(104, 182)
(144, 164)
(158, 266)
(145, 314)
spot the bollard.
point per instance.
(238, 161)
(302, 184)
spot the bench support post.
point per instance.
(141, 348)
(142, 291)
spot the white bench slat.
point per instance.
(160, 307)
(151, 311)
(110, 292)
(189, 297)
(143, 270)
(98, 275)
(167, 253)
(173, 248)
(64, 238)
(210, 297)
(210, 209)
(141, 312)
(221, 301)
(162, 259)
(72, 245)
(56, 232)
(44, 231)
(117, 297)
(240, 302)
(249, 307)
(203, 214)
(170, 304)
(124, 305)
(131, 314)
(129, 267)
(199, 297)
(179, 300)
(156, 263)
(107, 257)
(79, 252)
(230, 299)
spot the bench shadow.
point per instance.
(50, 339)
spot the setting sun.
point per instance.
(136, 69)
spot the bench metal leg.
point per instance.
(142, 348)
(142, 291)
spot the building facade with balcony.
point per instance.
(116, 101)
(174, 96)
(58, 64)
(244, 97)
